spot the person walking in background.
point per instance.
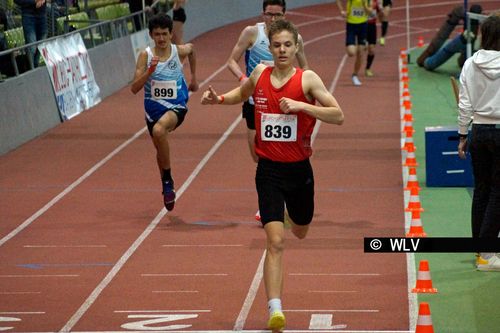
(371, 37)
(254, 43)
(179, 17)
(479, 103)
(384, 19)
(159, 72)
(34, 21)
(285, 115)
(356, 15)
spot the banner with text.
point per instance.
(71, 74)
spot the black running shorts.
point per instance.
(248, 113)
(290, 183)
(181, 114)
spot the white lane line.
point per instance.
(21, 312)
(121, 262)
(70, 188)
(19, 292)
(335, 310)
(38, 275)
(242, 331)
(252, 292)
(63, 246)
(183, 274)
(159, 311)
(175, 291)
(332, 291)
(87, 174)
(335, 274)
(202, 245)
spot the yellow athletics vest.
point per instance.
(356, 12)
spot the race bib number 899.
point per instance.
(164, 89)
(278, 127)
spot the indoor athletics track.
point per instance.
(86, 246)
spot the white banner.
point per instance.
(71, 74)
(140, 40)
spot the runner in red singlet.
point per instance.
(285, 114)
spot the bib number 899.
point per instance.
(163, 92)
(277, 132)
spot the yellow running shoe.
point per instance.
(276, 322)
(368, 73)
(381, 41)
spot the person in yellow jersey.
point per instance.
(356, 13)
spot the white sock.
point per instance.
(274, 305)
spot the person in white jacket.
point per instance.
(479, 103)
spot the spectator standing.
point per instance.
(479, 103)
(34, 21)
(179, 17)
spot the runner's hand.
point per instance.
(210, 97)
(153, 64)
(193, 86)
(462, 148)
(288, 105)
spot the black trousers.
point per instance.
(485, 152)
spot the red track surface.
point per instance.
(101, 256)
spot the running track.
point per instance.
(86, 246)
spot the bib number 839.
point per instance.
(277, 132)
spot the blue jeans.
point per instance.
(35, 29)
(485, 152)
(455, 45)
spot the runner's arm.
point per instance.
(142, 72)
(238, 94)
(328, 111)
(244, 42)
(188, 50)
(301, 55)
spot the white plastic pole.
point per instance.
(408, 30)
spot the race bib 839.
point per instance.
(278, 127)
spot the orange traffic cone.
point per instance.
(407, 115)
(402, 53)
(409, 144)
(416, 228)
(424, 282)
(414, 203)
(424, 321)
(412, 179)
(408, 123)
(411, 160)
(420, 41)
(406, 98)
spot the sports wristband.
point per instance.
(462, 136)
(221, 99)
(242, 77)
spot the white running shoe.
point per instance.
(356, 81)
(487, 265)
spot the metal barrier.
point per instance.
(472, 16)
(97, 33)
